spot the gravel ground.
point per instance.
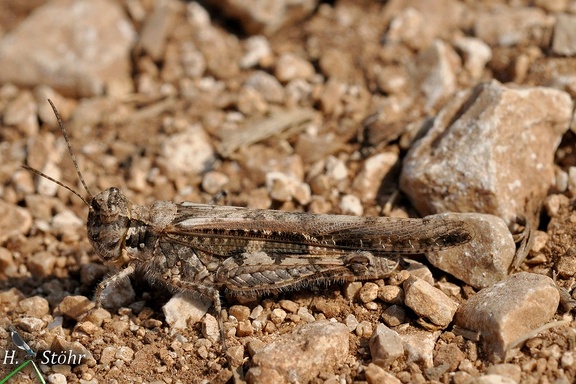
(309, 107)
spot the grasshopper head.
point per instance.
(108, 223)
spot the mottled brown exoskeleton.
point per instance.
(207, 248)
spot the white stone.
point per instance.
(182, 310)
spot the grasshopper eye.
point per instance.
(110, 204)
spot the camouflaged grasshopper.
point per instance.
(207, 248)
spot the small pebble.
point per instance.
(35, 306)
(31, 324)
(351, 322)
(364, 329)
(429, 302)
(277, 316)
(289, 305)
(214, 182)
(244, 328)
(306, 315)
(57, 378)
(182, 310)
(75, 306)
(125, 354)
(241, 312)
(257, 49)
(210, 328)
(394, 315)
(290, 67)
(256, 312)
(41, 264)
(385, 346)
(368, 292)
(351, 205)
(351, 289)
(391, 294)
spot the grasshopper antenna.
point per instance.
(65, 134)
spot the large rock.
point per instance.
(483, 261)
(78, 47)
(301, 355)
(491, 150)
(508, 310)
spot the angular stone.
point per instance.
(352, 289)
(448, 354)
(483, 261)
(118, 295)
(364, 329)
(31, 324)
(125, 354)
(75, 306)
(285, 187)
(377, 375)
(97, 316)
(23, 113)
(290, 67)
(187, 152)
(429, 302)
(214, 182)
(7, 264)
(419, 270)
(240, 312)
(351, 205)
(156, 28)
(277, 316)
(305, 315)
(257, 50)
(289, 306)
(267, 85)
(476, 54)
(351, 322)
(41, 264)
(14, 221)
(301, 355)
(419, 347)
(374, 169)
(394, 315)
(385, 346)
(210, 328)
(434, 74)
(67, 224)
(509, 26)
(10, 298)
(490, 150)
(564, 42)
(181, 310)
(499, 313)
(35, 306)
(391, 294)
(440, 17)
